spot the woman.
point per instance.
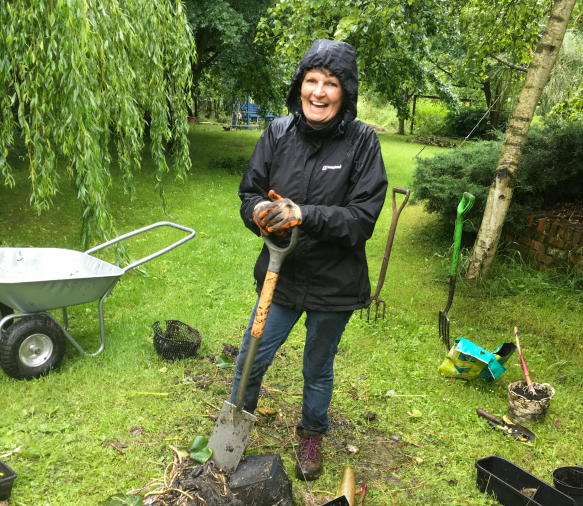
(329, 168)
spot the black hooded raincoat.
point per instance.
(337, 176)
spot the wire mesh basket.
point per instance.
(178, 340)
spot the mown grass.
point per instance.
(72, 414)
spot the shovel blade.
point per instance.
(230, 436)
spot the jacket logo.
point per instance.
(331, 167)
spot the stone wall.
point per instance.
(550, 242)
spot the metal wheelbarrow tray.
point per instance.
(36, 280)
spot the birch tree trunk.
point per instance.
(502, 187)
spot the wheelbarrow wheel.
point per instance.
(32, 346)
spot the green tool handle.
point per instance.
(463, 207)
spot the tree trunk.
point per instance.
(401, 130)
(502, 187)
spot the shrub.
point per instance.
(430, 117)
(461, 122)
(550, 172)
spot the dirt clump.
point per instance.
(231, 351)
(540, 392)
(192, 484)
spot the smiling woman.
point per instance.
(321, 96)
(328, 166)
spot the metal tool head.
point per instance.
(444, 329)
(378, 303)
(338, 501)
(230, 437)
(516, 431)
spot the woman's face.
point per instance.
(321, 97)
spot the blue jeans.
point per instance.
(323, 333)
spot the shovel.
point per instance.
(376, 297)
(234, 424)
(463, 207)
(515, 430)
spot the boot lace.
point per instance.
(309, 449)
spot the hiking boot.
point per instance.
(309, 456)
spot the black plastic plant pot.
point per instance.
(7, 477)
(513, 486)
(569, 480)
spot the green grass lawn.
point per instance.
(66, 420)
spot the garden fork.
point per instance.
(396, 213)
(463, 207)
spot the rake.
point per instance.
(463, 207)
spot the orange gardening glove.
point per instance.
(261, 210)
(285, 214)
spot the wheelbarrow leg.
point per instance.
(65, 318)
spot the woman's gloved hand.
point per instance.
(285, 214)
(259, 213)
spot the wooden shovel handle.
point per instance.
(523, 363)
(484, 414)
(264, 304)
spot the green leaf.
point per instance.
(123, 499)
(199, 451)
(224, 361)
(30, 451)
(414, 413)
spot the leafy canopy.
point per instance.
(406, 47)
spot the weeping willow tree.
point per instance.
(567, 75)
(79, 76)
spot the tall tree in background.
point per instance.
(500, 195)
(408, 47)
(75, 75)
(392, 39)
(228, 59)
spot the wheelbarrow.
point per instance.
(36, 280)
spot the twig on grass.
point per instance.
(6, 455)
(464, 500)
(282, 392)
(159, 394)
(211, 405)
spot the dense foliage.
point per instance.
(229, 62)
(466, 120)
(75, 75)
(550, 171)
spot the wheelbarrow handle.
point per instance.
(463, 207)
(276, 258)
(191, 233)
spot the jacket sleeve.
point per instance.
(353, 223)
(254, 186)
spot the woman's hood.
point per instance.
(340, 58)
